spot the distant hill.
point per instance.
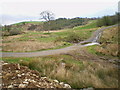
(61, 23)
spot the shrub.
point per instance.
(5, 33)
(32, 27)
(73, 38)
(14, 32)
(58, 39)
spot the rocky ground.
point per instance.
(16, 76)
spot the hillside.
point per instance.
(60, 23)
(109, 42)
(42, 40)
(93, 66)
(82, 68)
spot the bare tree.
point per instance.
(47, 16)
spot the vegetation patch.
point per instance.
(108, 45)
(37, 41)
(109, 42)
(108, 20)
(92, 49)
(76, 72)
(31, 46)
(91, 24)
(73, 38)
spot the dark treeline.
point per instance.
(108, 20)
(62, 23)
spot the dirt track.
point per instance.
(93, 38)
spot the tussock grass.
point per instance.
(110, 36)
(109, 50)
(24, 46)
(76, 72)
(109, 43)
(83, 74)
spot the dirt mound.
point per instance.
(16, 76)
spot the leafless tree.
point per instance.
(47, 16)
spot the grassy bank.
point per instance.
(109, 43)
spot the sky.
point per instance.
(15, 11)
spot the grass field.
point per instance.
(32, 41)
(37, 41)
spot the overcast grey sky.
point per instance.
(61, 8)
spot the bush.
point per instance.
(58, 39)
(32, 27)
(14, 32)
(73, 38)
(5, 33)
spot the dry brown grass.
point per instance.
(109, 40)
(109, 49)
(30, 41)
(78, 69)
(54, 31)
(94, 75)
(10, 38)
(111, 33)
(83, 54)
(24, 46)
(17, 38)
(77, 72)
